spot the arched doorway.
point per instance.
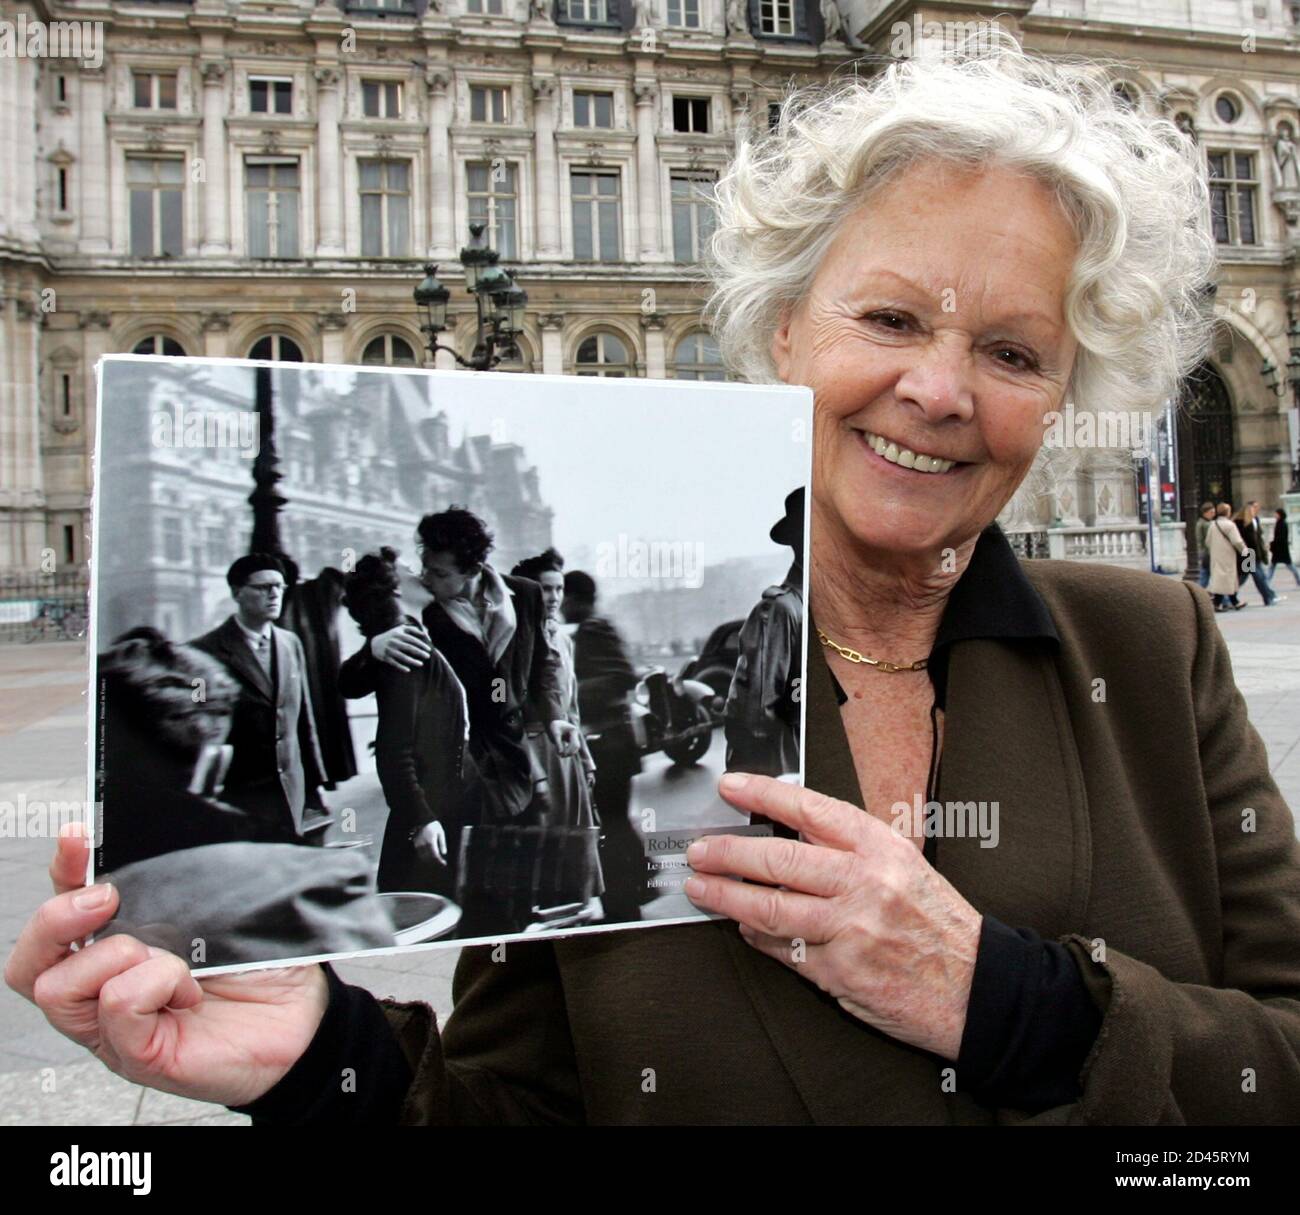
(1204, 448)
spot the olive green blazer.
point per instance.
(1138, 825)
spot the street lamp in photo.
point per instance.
(499, 301)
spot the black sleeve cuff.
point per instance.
(1030, 1022)
(354, 1073)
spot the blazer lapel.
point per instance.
(240, 658)
(1006, 739)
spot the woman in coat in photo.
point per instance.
(1083, 932)
(421, 743)
(569, 777)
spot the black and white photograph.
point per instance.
(388, 657)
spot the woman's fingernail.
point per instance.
(696, 852)
(92, 897)
(734, 781)
(694, 888)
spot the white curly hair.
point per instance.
(1131, 184)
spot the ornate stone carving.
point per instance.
(543, 89)
(331, 321)
(213, 71)
(327, 77)
(653, 320)
(214, 322)
(94, 320)
(437, 80)
(270, 142)
(155, 138)
(551, 320)
(646, 92)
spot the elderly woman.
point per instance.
(1105, 927)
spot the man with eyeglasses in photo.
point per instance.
(276, 770)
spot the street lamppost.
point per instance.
(1278, 388)
(499, 300)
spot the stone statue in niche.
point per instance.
(1286, 173)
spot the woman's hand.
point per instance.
(853, 906)
(225, 1039)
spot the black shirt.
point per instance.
(1030, 1022)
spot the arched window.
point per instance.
(276, 348)
(158, 344)
(604, 354)
(697, 358)
(388, 350)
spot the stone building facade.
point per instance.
(263, 179)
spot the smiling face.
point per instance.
(935, 342)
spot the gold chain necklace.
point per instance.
(879, 663)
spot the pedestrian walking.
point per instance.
(1226, 548)
(1203, 525)
(1255, 558)
(1280, 547)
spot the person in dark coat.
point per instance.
(761, 719)
(1280, 547)
(311, 611)
(1255, 559)
(421, 743)
(489, 628)
(605, 679)
(275, 771)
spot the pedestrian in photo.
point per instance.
(606, 678)
(761, 718)
(1280, 547)
(569, 777)
(422, 759)
(276, 772)
(1226, 548)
